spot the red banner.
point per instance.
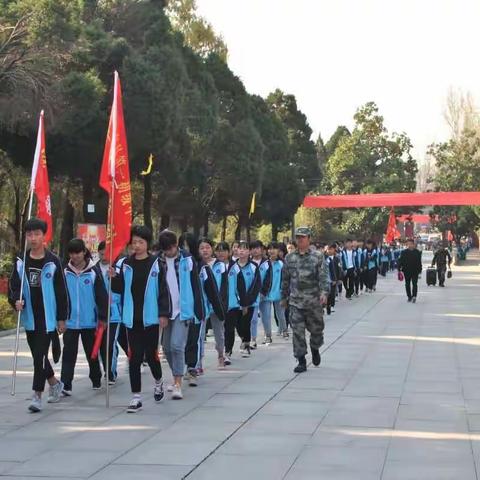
(115, 178)
(392, 230)
(392, 200)
(40, 185)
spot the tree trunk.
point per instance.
(147, 202)
(238, 230)
(23, 219)
(224, 228)
(164, 221)
(205, 224)
(197, 225)
(274, 232)
(66, 232)
(248, 232)
(184, 223)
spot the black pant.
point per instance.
(230, 322)
(122, 337)
(112, 350)
(384, 269)
(192, 349)
(70, 352)
(39, 344)
(413, 279)
(243, 324)
(331, 298)
(371, 278)
(348, 282)
(143, 344)
(441, 275)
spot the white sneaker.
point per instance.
(55, 392)
(170, 388)
(177, 393)
(135, 405)
(35, 405)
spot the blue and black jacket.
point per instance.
(265, 271)
(344, 259)
(371, 258)
(359, 259)
(88, 297)
(249, 284)
(54, 293)
(274, 292)
(214, 279)
(157, 301)
(189, 286)
(116, 298)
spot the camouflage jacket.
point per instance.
(304, 279)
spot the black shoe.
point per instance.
(414, 300)
(158, 392)
(302, 366)
(409, 299)
(316, 359)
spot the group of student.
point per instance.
(354, 265)
(172, 291)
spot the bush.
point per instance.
(6, 264)
(8, 318)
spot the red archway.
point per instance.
(392, 200)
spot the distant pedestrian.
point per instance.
(442, 259)
(410, 263)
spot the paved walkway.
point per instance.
(397, 397)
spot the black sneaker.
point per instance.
(316, 359)
(158, 392)
(301, 367)
(414, 299)
(409, 300)
(135, 406)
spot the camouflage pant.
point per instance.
(310, 319)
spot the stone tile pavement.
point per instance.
(397, 397)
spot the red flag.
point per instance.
(115, 178)
(98, 340)
(392, 230)
(39, 184)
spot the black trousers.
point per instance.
(243, 324)
(230, 323)
(112, 351)
(371, 278)
(441, 275)
(39, 344)
(411, 279)
(143, 344)
(331, 298)
(70, 353)
(192, 350)
(348, 282)
(383, 269)
(122, 337)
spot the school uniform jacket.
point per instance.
(116, 298)
(157, 301)
(274, 292)
(54, 293)
(214, 281)
(245, 287)
(191, 298)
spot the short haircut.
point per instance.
(142, 232)
(36, 224)
(256, 244)
(369, 241)
(275, 245)
(333, 245)
(410, 240)
(222, 246)
(77, 245)
(206, 240)
(243, 244)
(348, 240)
(236, 242)
(102, 245)
(167, 240)
(292, 242)
(155, 247)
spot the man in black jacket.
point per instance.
(441, 258)
(410, 263)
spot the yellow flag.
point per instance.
(148, 171)
(252, 205)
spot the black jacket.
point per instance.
(410, 261)
(440, 258)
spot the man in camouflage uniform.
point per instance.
(305, 288)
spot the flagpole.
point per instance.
(36, 161)
(112, 157)
(19, 313)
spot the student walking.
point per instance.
(88, 306)
(186, 308)
(43, 306)
(145, 307)
(348, 265)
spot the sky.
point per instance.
(335, 55)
